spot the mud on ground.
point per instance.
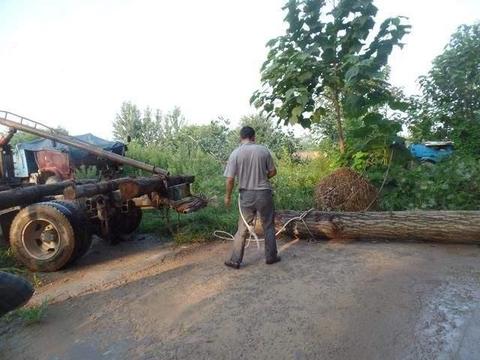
(363, 300)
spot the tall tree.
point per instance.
(326, 63)
(450, 102)
(272, 135)
(173, 121)
(146, 128)
(214, 138)
(151, 127)
(128, 123)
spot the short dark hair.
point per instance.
(247, 132)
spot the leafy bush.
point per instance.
(86, 172)
(294, 184)
(449, 185)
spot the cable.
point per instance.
(224, 235)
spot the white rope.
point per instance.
(224, 235)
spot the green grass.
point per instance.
(28, 315)
(7, 261)
(32, 314)
(195, 227)
(293, 187)
(9, 264)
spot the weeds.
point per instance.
(33, 314)
(28, 315)
(293, 188)
(7, 261)
(86, 172)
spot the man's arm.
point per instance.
(230, 173)
(272, 173)
(271, 170)
(229, 184)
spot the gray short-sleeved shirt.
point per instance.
(250, 163)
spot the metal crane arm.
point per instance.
(21, 123)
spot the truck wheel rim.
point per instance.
(41, 239)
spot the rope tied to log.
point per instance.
(224, 235)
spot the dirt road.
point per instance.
(144, 300)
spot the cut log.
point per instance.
(140, 186)
(91, 189)
(436, 226)
(30, 194)
(180, 179)
(132, 188)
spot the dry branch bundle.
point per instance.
(345, 190)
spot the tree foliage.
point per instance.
(272, 135)
(450, 103)
(144, 127)
(21, 137)
(214, 138)
(161, 128)
(128, 123)
(451, 184)
(325, 63)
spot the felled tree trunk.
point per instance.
(90, 189)
(135, 187)
(437, 226)
(30, 194)
(140, 186)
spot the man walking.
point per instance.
(252, 165)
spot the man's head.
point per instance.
(247, 133)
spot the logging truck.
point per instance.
(49, 226)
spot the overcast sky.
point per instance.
(72, 63)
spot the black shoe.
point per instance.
(232, 264)
(273, 261)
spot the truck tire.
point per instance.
(42, 237)
(79, 221)
(14, 292)
(5, 222)
(125, 223)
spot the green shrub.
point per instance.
(294, 187)
(86, 172)
(295, 183)
(452, 184)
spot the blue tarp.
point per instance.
(77, 156)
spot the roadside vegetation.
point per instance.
(7, 262)
(27, 315)
(328, 72)
(355, 117)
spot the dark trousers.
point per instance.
(253, 202)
